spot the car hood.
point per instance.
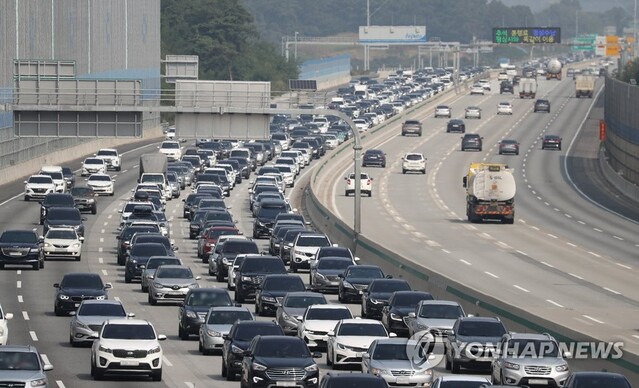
(402, 310)
(398, 365)
(296, 312)
(320, 325)
(17, 245)
(100, 183)
(330, 272)
(60, 241)
(286, 362)
(64, 222)
(478, 339)
(82, 291)
(385, 296)
(434, 323)
(94, 320)
(224, 329)
(128, 344)
(21, 375)
(175, 281)
(41, 185)
(534, 360)
(361, 281)
(356, 341)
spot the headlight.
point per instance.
(562, 368)
(340, 346)
(34, 250)
(191, 314)
(194, 285)
(82, 325)
(510, 365)
(427, 372)
(100, 297)
(311, 368)
(347, 284)
(319, 275)
(236, 350)
(156, 349)
(76, 245)
(38, 383)
(258, 367)
(246, 278)
(379, 371)
(213, 333)
(158, 285)
(375, 301)
(225, 261)
(395, 317)
(104, 349)
(268, 298)
(46, 245)
(63, 297)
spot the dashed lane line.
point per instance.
(25, 315)
(593, 319)
(33, 335)
(554, 303)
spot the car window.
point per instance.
(86, 282)
(322, 314)
(483, 329)
(18, 361)
(102, 310)
(390, 352)
(228, 317)
(208, 299)
(356, 329)
(174, 273)
(66, 234)
(128, 332)
(440, 312)
(282, 349)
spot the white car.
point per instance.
(101, 184)
(55, 172)
(93, 165)
(172, 150)
(473, 112)
(485, 83)
(477, 89)
(366, 184)
(318, 320)
(505, 108)
(288, 174)
(414, 161)
(170, 133)
(38, 186)
(351, 338)
(63, 242)
(128, 346)
(443, 111)
(305, 247)
(361, 125)
(111, 157)
(502, 76)
(4, 329)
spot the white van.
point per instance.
(55, 172)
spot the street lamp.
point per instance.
(295, 52)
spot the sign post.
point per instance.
(534, 35)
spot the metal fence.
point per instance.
(622, 121)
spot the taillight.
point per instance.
(368, 182)
(348, 181)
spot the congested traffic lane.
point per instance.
(427, 216)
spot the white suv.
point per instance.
(4, 330)
(111, 157)
(366, 184)
(127, 346)
(38, 186)
(414, 162)
(305, 247)
(93, 166)
(172, 150)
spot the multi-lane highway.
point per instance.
(565, 259)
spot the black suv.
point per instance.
(196, 304)
(456, 125)
(272, 291)
(551, 142)
(277, 360)
(252, 272)
(55, 200)
(64, 216)
(237, 341)
(483, 333)
(225, 253)
(21, 247)
(125, 236)
(374, 157)
(506, 87)
(138, 257)
(84, 198)
(76, 287)
(269, 209)
(376, 296)
(399, 305)
(356, 278)
(542, 106)
(471, 141)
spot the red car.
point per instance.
(209, 237)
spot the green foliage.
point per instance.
(630, 71)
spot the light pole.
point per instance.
(295, 50)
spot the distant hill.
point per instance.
(586, 5)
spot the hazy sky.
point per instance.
(586, 5)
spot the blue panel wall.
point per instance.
(326, 68)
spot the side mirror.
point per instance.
(567, 354)
(108, 285)
(198, 277)
(161, 337)
(366, 356)
(47, 367)
(8, 316)
(84, 218)
(56, 285)
(81, 239)
(389, 276)
(412, 315)
(317, 354)
(225, 336)
(392, 335)
(130, 315)
(72, 313)
(331, 333)
(356, 258)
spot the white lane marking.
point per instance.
(166, 361)
(593, 319)
(20, 300)
(582, 321)
(19, 284)
(102, 231)
(465, 262)
(535, 228)
(445, 251)
(189, 384)
(597, 230)
(571, 244)
(623, 266)
(109, 216)
(520, 288)
(25, 315)
(33, 335)
(11, 199)
(555, 303)
(594, 254)
(551, 235)
(100, 260)
(432, 243)
(491, 274)
(105, 273)
(575, 276)
(45, 358)
(611, 290)
(568, 215)
(106, 223)
(19, 272)
(502, 244)
(581, 222)
(618, 238)
(547, 264)
(60, 384)
(117, 299)
(100, 249)
(636, 336)
(101, 239)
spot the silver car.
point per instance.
(397, 361)
(291, 310)
(232, 268)
(171, 282)
(217, 324)
(437, 316)
(154, 262)
(174, 183)
(22, 366)
(88, 319)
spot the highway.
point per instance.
(566, 258)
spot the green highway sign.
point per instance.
(583, 48)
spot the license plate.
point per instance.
(15, 254)
(286, 384)
(403, 380)
(129, 363)
(76, 304)
(537, 382)
(361, 292)
(358, 354)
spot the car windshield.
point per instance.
(333, 264)
(59, 200)
(283, 283)
(149, 250)
(107, 153)
(270, 210)
(312, 241)
(89, 282)
(532, 348)
(410, 299)
(129, 232)
(102, 310)
(174, 273)
(81, 191)
(19, 236)
(215, 233)
(388, 286)
(248, 332)
(65, 234)
(240, 247)
(18, 361)
(228, 317)
(128, 332)
(594, 381)
(390, 352)
(171, 146)
(481, 329)
(441, 312)
(358, 329)
(54, 175)
(463, 384)
(154, 263)
(335, 252)
(303, 301)
(321, 314)
(101, 178)
(40, 179)
(94, 161)
(263, 266)
(69, 214)
(413, 157)
(198, 299)
(282, 349)
(373, 273)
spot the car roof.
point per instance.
(79, 274)
(228, 308)
(480, 319)
(531, 336)
(329, 306)
(102, 301)
(128, 321)
(440, 302)
(304, 293)
(464, 378)
(209, 289)
(360, 321)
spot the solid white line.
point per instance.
(20, 300)
(592, 319)
(60, 384)
(555, 303)
(465, 262)
(611, 290)
(636, 336)
(594, 254)
(575, 276)
(571, 244)
(491, 274)
(102, 231)
(623, 266)
(547, 265)
(520, 288)
(33, 335)
(166, 361)
(25, 315)
(19, 284)
(45, 358)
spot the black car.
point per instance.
(508, 146)
(64, 216)
(225, 253)
(456, 125)
(471, 141)
(188, 202)
(69, 177)
(334, 251)
(153, 238)
(124, 239)
(278, 230)
(252, 272)
(237, 341)
(277, 360)
(76, 287)
(325, 274)
(139, 255)
(506, 87)
(245, 166)
(21, 247)
(596, 379)
(355, 281)
(377, 295)
(265, 217)
(551, 142)
(201, 218)
(341, 380)
(85, 199)
(542, 106)
(55, 200)
(196, 304)
(482, 333)
(374, 158)
(272, 291)
(400, 304)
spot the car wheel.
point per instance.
(152, 300)
(71, 341)
(78, 258)
(346, 193)
(370, 194)
(257, 308)
(120, 260)
(58, 312)
(145, 289)
(219, 277)
(42, 263)
(182, 333)
(447, 363)
(403, 171)
(340, 298)
(127, 279)
(111, 194)
(329, 362)
(500, 153)
(27, 198)
(454, 367)
(156, 375)
(98, 374)
(424, 171)
(36, 266)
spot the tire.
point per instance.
(36, 266)
(27, 198)
(127, 279)
(71, 341)
(156, 375)
(145, 289)
(182, 333)
(120, 261)
(239, 298)
(98, 374)
(447, 366)
(111, 195)
(403, 171)
(339, 297)
(293, 266)
(57, 311)
(329, 362)
(152, 301)
(454, 367)
(78, 258)
(346, 193)
(219, 277)
(370, 194)
(424, 171)
(42, 264)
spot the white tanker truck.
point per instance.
(553, 69)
